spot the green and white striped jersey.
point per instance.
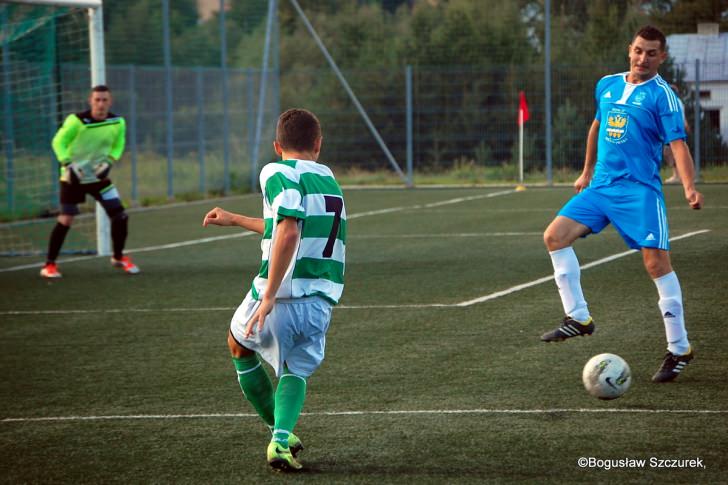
(309, 192)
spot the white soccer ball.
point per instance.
(606, 376)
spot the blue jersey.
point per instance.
(635, 121)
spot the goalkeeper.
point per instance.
(86, 146)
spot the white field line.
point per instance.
(249, 233)
(373, 413)
(481, 299)
(431, 236)
(514, 289)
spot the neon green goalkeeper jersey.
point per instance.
(87, 142)
(309, 192)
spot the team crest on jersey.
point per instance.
(617, 121)
(639, 97)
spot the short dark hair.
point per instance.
(298, 129)
(100, 88)
(648, 32)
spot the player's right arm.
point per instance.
(64, 137)
(282, 252)
(590, 158)
(221, 217)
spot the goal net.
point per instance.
(46, 75)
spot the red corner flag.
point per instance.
(522, 107)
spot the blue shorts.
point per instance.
(294, 333)
(636, 211)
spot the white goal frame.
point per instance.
(98, 76)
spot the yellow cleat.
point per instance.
(281, 459)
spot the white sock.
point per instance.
(568, 279)
(671, 306)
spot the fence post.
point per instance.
(225, 102)
(168, 95)
(133, 133)
(696, 148)
(251, 130)
(200, 101)
(8, 123)
(547, 90)
(54, 124)
(263, 87)
(408, 89)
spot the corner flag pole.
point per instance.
(523, 116)
(520, 146)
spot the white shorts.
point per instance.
(294, 333)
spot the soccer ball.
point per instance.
(606, 376)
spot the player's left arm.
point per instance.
(117, 148)
(284, 247)
(672, 125)
(686, 169)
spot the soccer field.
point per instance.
(434, 370)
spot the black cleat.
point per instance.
(569, 328)
(672, 365)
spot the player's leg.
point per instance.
(71, 195)
(559, 237)
(253, 380)
(641, 220)
(310, 321)
(107, 195)
(679, 352)
(575, 220)
(289, 398)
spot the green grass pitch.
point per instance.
(134, 376)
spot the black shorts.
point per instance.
(103, 191)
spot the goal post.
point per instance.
(97, 66)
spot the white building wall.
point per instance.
(718, 99)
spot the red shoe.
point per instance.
(50, 270)
(125, 262)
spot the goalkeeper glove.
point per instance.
(102, 170)
(71, 173)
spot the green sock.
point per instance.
(256, 385)
(290, 394)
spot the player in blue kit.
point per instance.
(637, 113)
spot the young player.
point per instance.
(285, 315)
(86, 146)
(637, 113)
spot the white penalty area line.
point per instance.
(410, 412)
(430, 205)
(447, 235)
(467, 303)
(514, 289)
(204, 240)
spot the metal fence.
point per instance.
(459, 117)
(192, 130)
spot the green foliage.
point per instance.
(569, 136)
(134, 31)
